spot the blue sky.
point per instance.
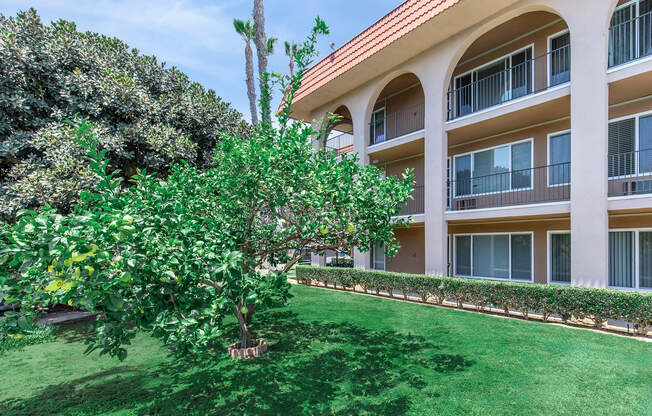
(197, 36)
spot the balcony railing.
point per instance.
(416, 205)
(529, 77)
(518, 187)
(342, 143)
(630, 40)
(397, 124)
(630, 173)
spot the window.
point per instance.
(630, 148)
(630, 32)
(559, 63)
(378, 256)
(497, 169)
(507, 78)
(559, 147)
(621, 259)
(496, 256)
(630, 259)
(377, 126)
(559, 250)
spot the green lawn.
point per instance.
(340, 353)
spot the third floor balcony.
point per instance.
(514, 76)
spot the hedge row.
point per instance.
(565, 301)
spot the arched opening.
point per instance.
(525, 55)
(340, 138)
(399, 109)
(399, 114)
(630, 32)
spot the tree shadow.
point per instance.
(311, 367)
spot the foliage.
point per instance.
(17, 331)
(565, 301)
(145, 114)
(177, 256)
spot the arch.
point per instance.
(339, 136)
(517, 29)
(629, 26)
(396, 106)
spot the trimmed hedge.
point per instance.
(566, 301)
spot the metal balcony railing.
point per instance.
(630, 173)
(416, 205)
(342, 143)
(518, 187)
(385, 127)
(529, 77)
(630, 40)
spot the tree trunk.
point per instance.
(251, 88)
(261, 50)
(245, 334)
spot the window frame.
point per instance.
(549, 162)
(549, 59)
(637, 259)
(372, 258)
(474, 78)
(373, 121)
(549, 234)
(509, 259)
(472, 152)
(637, 149)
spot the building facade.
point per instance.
(528, 125)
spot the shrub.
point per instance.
(566, 301)
(147, 115)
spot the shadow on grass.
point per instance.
(311, 368)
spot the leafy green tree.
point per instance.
(176, 257)
(145, 114)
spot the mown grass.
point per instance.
(341, 353)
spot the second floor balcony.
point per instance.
(630, 173)
(416, 205)
(536, 185)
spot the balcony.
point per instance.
(511, 188)
(341, 143)
(516, 76)
(629, 39)
(415, 205)
(384, 127)
(630, 173)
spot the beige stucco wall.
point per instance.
(411, 257)
(589, 113)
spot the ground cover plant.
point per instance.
(342, 353)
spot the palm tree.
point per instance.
(247, 31)
(262, 50)
(290, 50)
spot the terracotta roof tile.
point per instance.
(396, 24)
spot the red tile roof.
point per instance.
(397, 23)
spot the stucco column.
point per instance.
(360, 128)
(589, 139)
(435, 153)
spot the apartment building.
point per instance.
(528, 124)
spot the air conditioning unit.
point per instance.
(464, 204)
(637, 187)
